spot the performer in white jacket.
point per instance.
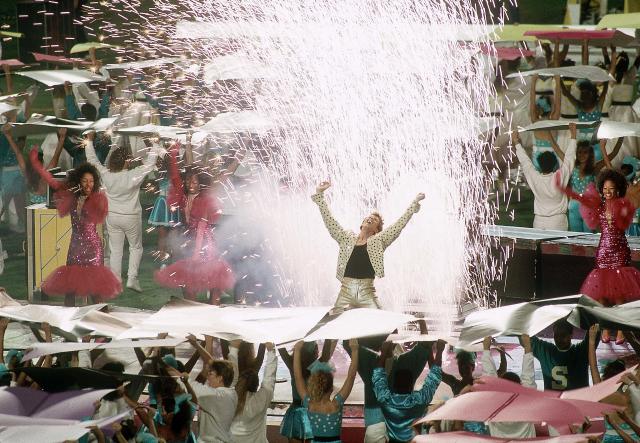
(250, 422)
(361, 256)
(125, 212)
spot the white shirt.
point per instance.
(250, 426)
(527, 378)
(548, 199)
(217, 407)
(123, 187)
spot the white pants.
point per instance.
(120, 226)
(557, 222)
(376, 433)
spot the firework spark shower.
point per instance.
(380, 97)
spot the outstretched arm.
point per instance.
(593, 361)
(337, 232)
(46, 175)
(391, 233)
(606, 158)
(567, 93)
(297, 370)
(62, 133)
(353, 370)
(6, 130)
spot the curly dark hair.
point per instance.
(614, 176)
(204, 176)
(74, 177)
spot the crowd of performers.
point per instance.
(220, 385)
(580, 183)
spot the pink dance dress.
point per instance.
(614, 281)
(202, 268)
(84, 274)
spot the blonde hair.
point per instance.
(319, 384)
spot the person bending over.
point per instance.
(361, 256)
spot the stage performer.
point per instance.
(361, 258)
(84, 274)
(201, 269)
(125, 213)
(614, 281)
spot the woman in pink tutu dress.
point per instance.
(614, 281)
(84, 274)
(201, 269)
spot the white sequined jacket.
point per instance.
(376, 244)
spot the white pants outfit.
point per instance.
(557, 222)
(120, 226)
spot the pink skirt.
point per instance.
(196, 275)
(83, 281)
(612, 286)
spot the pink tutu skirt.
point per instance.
(196, 275)
(83, 281)
(612, 286)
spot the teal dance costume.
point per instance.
(579, 186)
(326, 427)
(161, 214)
(296, 424)
(587, 134)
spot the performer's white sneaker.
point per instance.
(134, 285)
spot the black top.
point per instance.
(359, 265)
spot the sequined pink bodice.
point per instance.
(86, 246)
(613, 249)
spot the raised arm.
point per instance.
(603, 95)
(91, 153)
(46, 175)
(8, 78)
(297, 370)
(556, 106)
(347, 386)
(569, 159)
(488, 365)
(434, 378)
(533, 107)
(6, 130)
(567, 93)
(606, 158)
(232, 167)
(327, 350)
(267, 387)
(593, 361)
(62, 134)
(287, 359)
(73, 112)
(4, 322)
(527, 376)
(391, 233)
(204, 356)
(337, 232)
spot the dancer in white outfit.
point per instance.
(125, 213)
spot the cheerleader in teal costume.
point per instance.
(543, 108)
(162, 217)
(584, 173)
(295, 424)
(589, 108)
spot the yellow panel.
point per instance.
(51, 242)
(51, 239)
(515, 33)
(631, 6)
